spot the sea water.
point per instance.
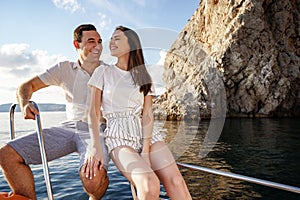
(262, 148)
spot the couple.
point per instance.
(124, 93)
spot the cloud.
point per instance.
(124, 10)
(140, 2)
(14, 55)
(156, 71)
(162, 59)
(104, 22)
(18, 63)
(17, 60)
(69, 5)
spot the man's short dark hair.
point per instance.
(84, 27)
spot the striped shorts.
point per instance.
(125, 129)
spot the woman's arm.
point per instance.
(94, 152)
(147, 126)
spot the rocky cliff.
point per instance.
(234, 58)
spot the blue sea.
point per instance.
(265, 148)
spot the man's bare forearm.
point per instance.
(25, 91)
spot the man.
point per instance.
(70, 136)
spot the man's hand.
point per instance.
(29, 111)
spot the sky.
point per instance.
(35, 35)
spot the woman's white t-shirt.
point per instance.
(119, 93)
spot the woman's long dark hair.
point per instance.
(136, 62)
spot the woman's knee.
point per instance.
(176, 181)
(153, 183)
(149, 184)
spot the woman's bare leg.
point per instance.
(137, 171)
(166, 169)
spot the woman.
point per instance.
(124, 91)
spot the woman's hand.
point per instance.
(92, 163)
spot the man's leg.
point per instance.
(17, 154)
(18, 175)
(97, 186)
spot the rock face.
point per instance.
(235, 58)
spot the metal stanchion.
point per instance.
(12, 121)
(242, 177)
(41, 144)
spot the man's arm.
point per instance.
(24, 93)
